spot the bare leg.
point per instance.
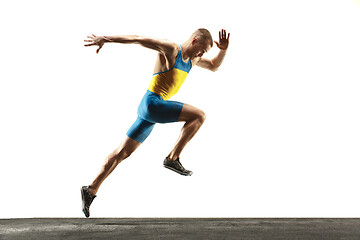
(122, 152)
(193, 118)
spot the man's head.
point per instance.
(201, 41)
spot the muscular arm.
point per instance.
(214, 64)
(163, 46)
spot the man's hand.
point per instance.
(223, 40)
(95, 41)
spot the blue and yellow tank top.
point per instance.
(166, 84)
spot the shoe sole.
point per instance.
(83, 202)
(177, 171)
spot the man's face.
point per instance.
(200, 47)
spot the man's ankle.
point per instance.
(172, 157)
(92, 190)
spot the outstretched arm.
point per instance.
(163, 46)
(214, 64)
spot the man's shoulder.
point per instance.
(171, 52)
(173, 49)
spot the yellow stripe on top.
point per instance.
(166, 84)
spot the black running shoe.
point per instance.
(87, 199)
(176, 167)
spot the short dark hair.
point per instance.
(203, 34)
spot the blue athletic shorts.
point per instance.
(153, 109)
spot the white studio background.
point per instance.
(282, 133)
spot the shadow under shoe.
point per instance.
(87, 199)
(176, 166)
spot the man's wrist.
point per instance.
(106, 39)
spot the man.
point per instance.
(172, 66)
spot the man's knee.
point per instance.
(201, 116)
(126, 149)
(123, 154)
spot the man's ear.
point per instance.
(194, 40)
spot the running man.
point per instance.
(172, 67)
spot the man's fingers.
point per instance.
(90, 44)
(87, 40)
(97, 51)
(222, 34)
(92, 37)
(223, 39)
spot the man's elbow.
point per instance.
(214, 68)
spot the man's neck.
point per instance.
(185, 50)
